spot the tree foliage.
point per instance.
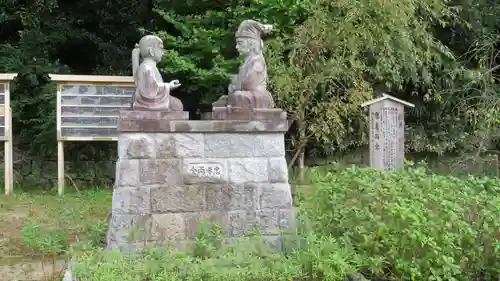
(324, 59)
(348, 51)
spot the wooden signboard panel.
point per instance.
(88, 108)
(6, 129)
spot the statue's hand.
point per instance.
(174, 84)
(231, 86)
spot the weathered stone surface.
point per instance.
(275, 195)
(193, 220)
(269, 145)
(278, 170)
(174, 199)
(159, 171)
(242, 223)
(243, 170)
(231, 197)
(202, 126)
(166, 227)
(124, 229)
(133, 114)
(220, 126)
(131, 200)
(229, 145)
(167, 182)
(127, 173)
(194, 126)
(165, 145)
(189, 145)
(148, 120)
(234, 113)
(262, 221)
(169, 145)
(136, 146)
(286, 220)
(268, 221)
(196, 170)
(144, 126)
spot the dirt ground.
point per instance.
(37, 229)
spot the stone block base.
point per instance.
(148, 120)
(167, 182)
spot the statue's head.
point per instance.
(151, 46)
(249, 37)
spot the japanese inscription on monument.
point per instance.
(209, 170)
(387, 132)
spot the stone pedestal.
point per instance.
(173, 172)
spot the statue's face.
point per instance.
(157, 52)
(243, 45)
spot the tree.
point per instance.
(346, 50)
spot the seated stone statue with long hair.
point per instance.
(248, 89)
(151, 92)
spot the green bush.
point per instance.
(319, 258)
(411, 225)
(406, 225)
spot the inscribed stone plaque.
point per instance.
(206, 170)
(93, 111)
(390, 136)
(386, 135)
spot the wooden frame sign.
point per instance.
(6, 129)
(88, 109)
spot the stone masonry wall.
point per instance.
(167, 182)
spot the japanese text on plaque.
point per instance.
(212, 170)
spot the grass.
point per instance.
(37, 229)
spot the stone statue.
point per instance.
(151, 93)
(248, 89)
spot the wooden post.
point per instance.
(8, 147)
(60, 167)
(60, 145)
(7, 137)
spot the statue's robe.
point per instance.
(248, 88)
(151, 93)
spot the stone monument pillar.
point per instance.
(172, 173)
(387, 132)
